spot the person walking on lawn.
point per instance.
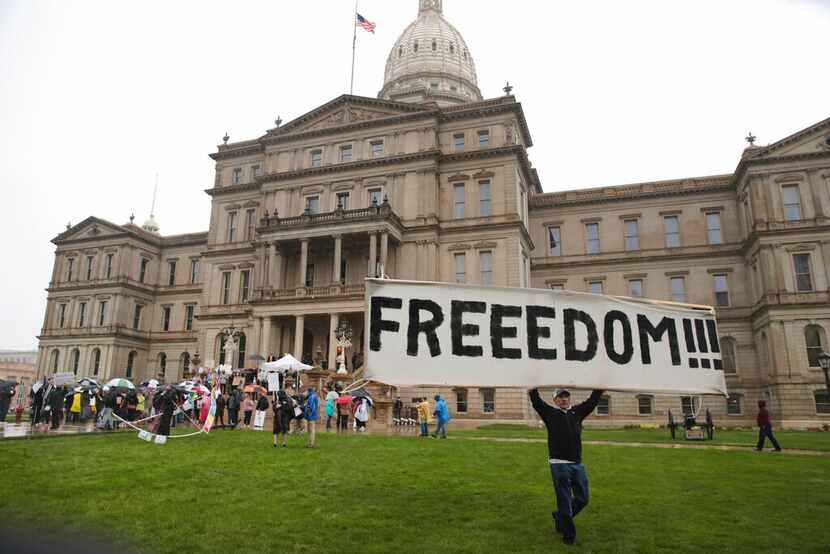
(570, 482)
(765, 427)
(423, 416)
(312, 405)
(442, 415)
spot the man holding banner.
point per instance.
(570, 482)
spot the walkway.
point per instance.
(790, 451)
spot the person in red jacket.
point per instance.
(765, 427)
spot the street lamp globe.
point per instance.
(824, 361)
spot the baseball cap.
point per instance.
(561, 392)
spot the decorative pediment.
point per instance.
(458, 177)
(483, 174)
(811, 140)
(458, 246)
(90, 228)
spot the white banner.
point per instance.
(461, 335)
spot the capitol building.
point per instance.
(431, 181)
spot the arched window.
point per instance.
(131, 363)
(54, 361)
(240, 345)
(465, 54)
(162, 362)
(728, 350)
(415, 47)
(814, 337)
(400, 51)
(822, 401)
(184, 361)
(96, 361)
(220, 351)
(75, 359)
(452, 48)
(434, 45)
(763, 352)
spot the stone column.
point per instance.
(334, 320)
(303, 261)
(272, 258)
(373, 253)
(299, 328)
(263, 267)
(265, 336)
(338, 248)
(384, 251)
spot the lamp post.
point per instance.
(343, 334)
(824, 362)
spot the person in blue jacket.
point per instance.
(442, 415)
(312, 406)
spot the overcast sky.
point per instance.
(96, 97)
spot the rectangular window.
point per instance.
(346, 153)
(592, 238)
(102, 313)
(312, 205)
(687, 405)
(188, 317)
(604, 406)
(458, 200)
(792, 202)
(595, 287)
(632, 238)
(377, 148)
(713, 230)
(255, 172)
(803, 275)
(483, 139)
(165, 318)
(557, 286)
(70, 269)
(142, 270)
(309, 275)
(458, 141)
(250, 223)
(678, 289)
(231, 226)
(488, 400)
(733, 404)
(137, 316)
(461, 401)
(89, 261)
(721, 290)
(635, 288)
(109, 266)
(486, 265)
(226, 287)
(194, 271)
(460, 261)
(554, 241)
(316, 158)
(644, 405)
(343, 271)
(61, 315)
(81, 314)
(484, 199)
(375, 197)
(672, 227)
(171, 272)
(343, 200)
(244, 286)
(237, 175)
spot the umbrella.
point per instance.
(286, 363)
(152, 383)
(87, 382)
(7, 384)
(119, 383)
(344, 399)
(257, 358)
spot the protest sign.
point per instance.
(460, 335)
(63, 379)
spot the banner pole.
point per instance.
(354, 44)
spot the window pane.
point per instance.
(635, 288)
(804, 280)
(484, 196)
(733, 404)
(592, 238)
(374, 197)
(713, 228)
(812, 337)
(822, 402)
(312, 204)
(458, 198)
(604, 406)
(792, 202)
(678, 289)
(486, 264)
(632, 240)
(488, 397)
(483, 138)
(460, 268)
(596, 287)
(728, 354)
(672, 231)
(346, 153)
(458, 142)
(554, 241)
(644, 405)
(377, 149)
(721, 291)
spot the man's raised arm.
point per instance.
(539, 405)
(584, 409)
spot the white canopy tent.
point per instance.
(285, 364)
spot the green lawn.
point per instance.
(806, 440)
(405, 494)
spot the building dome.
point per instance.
(430, 61)
(151, 224)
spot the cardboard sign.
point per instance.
(459, 335)
(63, 379)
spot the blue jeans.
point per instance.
(765, 431)
(424, 429)
(570, 482)
(440, 428)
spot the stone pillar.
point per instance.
(265, 337)
(373, 253)
(384, 250)
(264, 265)
(299, 328)
(334, 320)
(272, 257)
(338, 248)
(303, 260)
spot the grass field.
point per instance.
(405, 494)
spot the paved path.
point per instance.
(789, 451)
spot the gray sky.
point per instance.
(97, 96)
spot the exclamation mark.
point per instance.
(689, 335)
(712, 330)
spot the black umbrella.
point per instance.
(87, 382)
(363, 394)
(7, 384)
(256, 358)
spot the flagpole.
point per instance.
(354, 44)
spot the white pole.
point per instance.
(354, 43)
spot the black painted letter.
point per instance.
(534, 332)
(498, 333)
(461, 329)
(628, 344)
(416, 326)
(378, 324)
(647, 330)
(571, 352)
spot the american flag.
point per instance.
(365, 23)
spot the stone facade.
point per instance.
(444, 191)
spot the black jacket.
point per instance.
(565, 427)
